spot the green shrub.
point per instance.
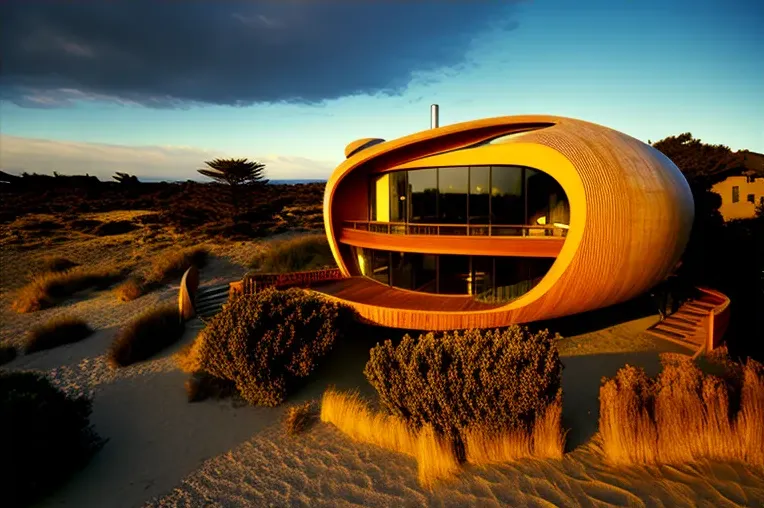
(308, 252)
(7, 354)
(492, 379)
(270, 342)
(147, 335)
(56, 332)
(169, 266)
(46, 437)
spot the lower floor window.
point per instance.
(485, 277)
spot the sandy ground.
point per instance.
(163, 451)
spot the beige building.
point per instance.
(743, 189)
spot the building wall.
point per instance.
(742, 209)
(631, 212)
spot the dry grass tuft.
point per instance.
(129, 290)
(44, 289)
(684, 414)
(545, 440)
(57, 332)
(7, 354)
(436, 456)
(302, 253)
(171, 265)
(298, 417)
(147, 335)
(56, 264)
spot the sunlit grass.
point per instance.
(684, 414)
(435, 455)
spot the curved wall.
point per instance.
(630, 210)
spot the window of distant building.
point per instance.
(750, 179)
(751, 198)
(735, 194)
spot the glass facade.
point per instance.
(509, 197)
(485, 277)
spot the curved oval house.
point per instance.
(502, 220)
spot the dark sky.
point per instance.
(177, 53)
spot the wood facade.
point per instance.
(631, 212)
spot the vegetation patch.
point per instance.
(111, 228)
(684, 414)
(172, 265)
(129, 290)
(302, 253)
(57, 264)
(479, 396)
(298, 417)
(57, 332)
(46, 437)
(146, 336)
(269, 343)
(8, 353)
(46, 288)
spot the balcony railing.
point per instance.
(403, 228)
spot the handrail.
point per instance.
(413, 228)
(717, 319)
(253, 282)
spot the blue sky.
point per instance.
(649, 68)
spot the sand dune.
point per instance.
(324, 468)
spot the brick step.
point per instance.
(700, 307)
(212, 291)
(685, 318)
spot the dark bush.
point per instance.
(46, 437)
(112, 228)
(57, 332)
(306, 252)
(147, 335)
(494, 379)
(7, 354)
(269, 343)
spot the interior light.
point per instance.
(541, 220)
(561, 225)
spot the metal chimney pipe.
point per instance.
(434, 116)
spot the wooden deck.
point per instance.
(365, 291)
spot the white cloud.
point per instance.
(19, 154)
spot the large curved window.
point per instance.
(489, 278)
(486, 200)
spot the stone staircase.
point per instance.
(209, 300)
(687, 326)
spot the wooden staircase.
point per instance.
(689, 325)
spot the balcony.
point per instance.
(493, 230)
(472, 239)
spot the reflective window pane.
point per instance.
(381, 266)
(454, 275)
(401, 274)
(381, 190)
(423, 268)
(480, 182)
(482, 276)
(398, 196)
(453, 184)
(423, 194)
(507, 200)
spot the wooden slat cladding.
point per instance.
(631, 213)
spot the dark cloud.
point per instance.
(168, 54)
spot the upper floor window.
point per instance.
(735, 194)
(751, 198)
